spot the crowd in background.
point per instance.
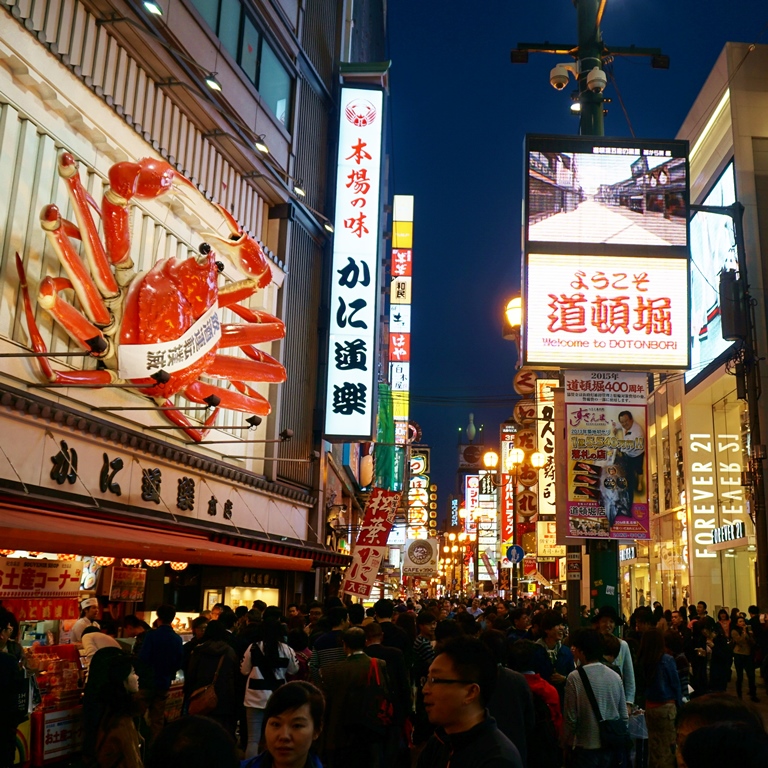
(431, 683)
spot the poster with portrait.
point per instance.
(607, 478)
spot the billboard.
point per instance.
(617, 192)
(713, 248)
(606, 462)
(606, 310)
(351, 378)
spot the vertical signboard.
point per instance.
(545, 433)
(506, 492)
(400, 311)
(351, 379)
(606, 423)
(371, 543)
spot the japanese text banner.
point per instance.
(596, 310)
(354, 290)
(26, 579)
(371, 543)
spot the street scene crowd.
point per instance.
(431, 684)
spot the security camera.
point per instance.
(596, 80)
(558, 77)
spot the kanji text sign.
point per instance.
(353, 307)
(606, 310)
(28, 579)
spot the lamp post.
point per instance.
(516, 463)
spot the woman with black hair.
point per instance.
(214, 661)
(118, 743)
(659, 690)
(293, 719)
(266, 663)
(743, 646)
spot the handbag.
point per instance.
(614, 734)
(204, 700)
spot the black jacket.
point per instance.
(202, 669)
(483, 746)
(398, 677)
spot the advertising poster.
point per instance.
(127, 584)
(420, 557)
(606, 422)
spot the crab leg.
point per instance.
(261, 367)
(56, 230)
(88, 378)
(252, 403)
(88, 233)
(237, 335)
(181, 421)
(87, 335)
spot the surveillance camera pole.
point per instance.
(590, 53)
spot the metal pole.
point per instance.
(756, 448)
(514, 535)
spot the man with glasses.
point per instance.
(457, 690)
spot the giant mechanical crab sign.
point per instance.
(158, 330)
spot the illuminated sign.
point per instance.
(351, 380)
(729, 533)
(713, 248)
(546, 540)
(627, 553)
(617, 192)
(545, 428)
(595, 310)
(606, 461)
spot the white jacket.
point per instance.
(258, 698)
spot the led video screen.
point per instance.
(713, 248)
(614, 192)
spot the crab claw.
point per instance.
(147, 179)
(244, 251)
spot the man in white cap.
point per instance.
(89, 610)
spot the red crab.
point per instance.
(158, 329)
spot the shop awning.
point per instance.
(52, 532)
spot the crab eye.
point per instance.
(220, 266)
(204, 248)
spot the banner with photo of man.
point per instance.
(607, 483)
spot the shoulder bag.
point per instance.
(614, 734)
(204, 700)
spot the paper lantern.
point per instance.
(66, 558)
(154, 563)
(131, 561)
(178, 566)
(7, 552)
(103, 561)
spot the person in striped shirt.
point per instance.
(581, 732)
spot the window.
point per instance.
(274, 84)
(257, 59)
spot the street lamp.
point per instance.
(515, 465)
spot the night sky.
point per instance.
(459, 111)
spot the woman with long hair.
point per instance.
(118, 743)
(659, 683)
(724, 623)
(293, 719)
(743, 645)
(266, 663)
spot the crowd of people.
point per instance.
(432, 684)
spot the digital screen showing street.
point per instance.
(606, 311)
(607, 191)
(713, 248)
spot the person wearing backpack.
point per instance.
(266, 664)
(360, 712)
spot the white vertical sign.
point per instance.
(354, 291)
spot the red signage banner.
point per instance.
(42, 579)
(371, 542)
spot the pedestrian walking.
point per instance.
(293, 720)
(266, 664)
(581, 732)
(118, 743)
(659, 693)
(743, 646)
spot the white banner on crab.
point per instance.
(137, 361)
